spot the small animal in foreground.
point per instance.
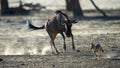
(97, 49)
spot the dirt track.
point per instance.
(68, 61)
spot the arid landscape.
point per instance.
(21, 47)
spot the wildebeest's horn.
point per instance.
(74, 21)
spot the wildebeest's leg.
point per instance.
(73, 46)
(52, 37)
(64, 40)
(51, 46)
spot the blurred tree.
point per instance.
(104, 14)
(20, 4)
(4, 6)
(74, 5)
(68, 5)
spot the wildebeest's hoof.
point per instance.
(55, 53)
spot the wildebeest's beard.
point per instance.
(68, 31)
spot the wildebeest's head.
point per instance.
(68, 31)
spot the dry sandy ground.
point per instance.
(23, 48)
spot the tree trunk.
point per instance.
(4, 6)
(74, 5)
(77, 10)
(68, 5)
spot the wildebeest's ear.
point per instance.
(74, 21)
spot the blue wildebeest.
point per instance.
(60, 23)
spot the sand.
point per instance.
(23, 48)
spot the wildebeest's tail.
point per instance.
(31, 26)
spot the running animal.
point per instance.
(97, 49)
(60, 23)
